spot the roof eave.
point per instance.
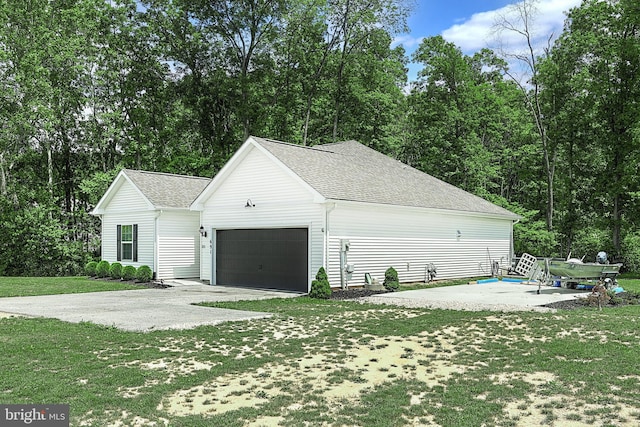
(509, 216)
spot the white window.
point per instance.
(127, 242)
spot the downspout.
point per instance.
(156, 244)
(512, 244)
(326, 235)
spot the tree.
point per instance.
(598, 63)
(520, 20)
(465, 122)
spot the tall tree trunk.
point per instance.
(3, 176)
(50, 168)
(520, 21)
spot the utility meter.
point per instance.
(349, 268)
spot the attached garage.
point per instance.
(277, 212)
(272, 258)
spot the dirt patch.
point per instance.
(4, 315)
(349, 294)
(381, 360)
(339, 372)
(620, 300)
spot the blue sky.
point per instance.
(468, 24)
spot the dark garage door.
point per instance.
(263, 258)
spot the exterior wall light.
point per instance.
(249, 204)
(203, 232)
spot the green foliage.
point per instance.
(34, 240)
(391, 279)
(102, 269)
(90, 268)
(631, 252)
(588, 242)
(115, 271)
(530, 234)
(320, 288)
(144, 274)
(94, 187)
(322, 274)
(129, 272)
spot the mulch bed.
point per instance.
(150, 285)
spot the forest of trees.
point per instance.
(88, 87)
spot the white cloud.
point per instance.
(478, 31)
(408, 41)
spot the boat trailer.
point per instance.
(570, 272)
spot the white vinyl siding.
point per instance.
(280, 202)
(127, 199)
(178, 244)
(174, 234)
(146, 236)
(411, 239)
(127, 207)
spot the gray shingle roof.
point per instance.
(166, 190)
(351, 171)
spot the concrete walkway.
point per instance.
(144, 309)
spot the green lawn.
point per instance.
(29, 286)
(630, 284)
(336, 363)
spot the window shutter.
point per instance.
(119, 245)
(135, 242)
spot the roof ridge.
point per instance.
(317, 147)
(165, 174)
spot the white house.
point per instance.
(146, 220)
(277, 212)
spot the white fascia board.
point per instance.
(113, 189)
(234, 161)
(370, 205)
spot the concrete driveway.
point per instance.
(507, 296)
(144, 309)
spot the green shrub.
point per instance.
(144, 274)
(391, 279)
(129, 272)
(102, 269)
(322, 274)
(320, 288)
(631, 252)
(115, 271)
(90, 268)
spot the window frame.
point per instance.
(133, 242)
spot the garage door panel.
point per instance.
(263, 258)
